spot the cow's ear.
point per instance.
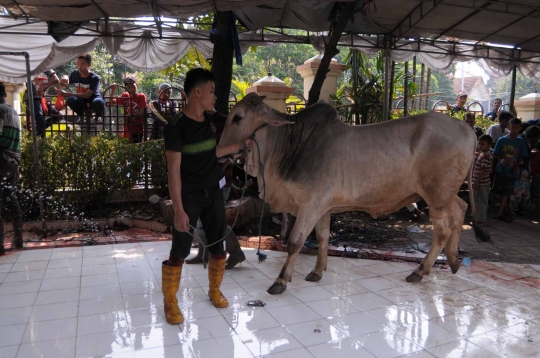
(273, 120)
(256, 100)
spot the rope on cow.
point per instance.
(262, 256)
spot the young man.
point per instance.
(470, 120)
(497, 103)
(480, 180)
(232, 246)
(134, 108)
(87, 84)
(190, 147)
(509, 150)
(500, 129)
(10, 159)
(461, 99)
(166, 109)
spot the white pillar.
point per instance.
(14, 95)
(308, 71)
(275, 90)
(528, 107)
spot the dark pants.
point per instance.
(9, 200)
(209, 206)
(40, 117)
(78, 105)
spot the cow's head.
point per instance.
(244, 119)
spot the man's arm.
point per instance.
(52, 81)
(223, 150)
(181, 220)
(84, 95)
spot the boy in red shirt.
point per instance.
(135, 106)
(480, 180)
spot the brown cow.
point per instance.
(311, 165)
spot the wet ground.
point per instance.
(106, 301)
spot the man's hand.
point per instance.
(60, 92)
(247, 144)
(181, 221)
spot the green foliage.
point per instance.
(368, 95)
(281, 60)
(501, 87)
(84, 170)
(239, 88)
(193, 58)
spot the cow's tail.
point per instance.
(480, 234)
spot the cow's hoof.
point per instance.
(277, 288)
(414, 277)
(455, 267)
(313, 277)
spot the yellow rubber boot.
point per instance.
(170, 283)
(216, 269)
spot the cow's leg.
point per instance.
(444, 223)
(459, 208)
(322, 228)
(302, 228)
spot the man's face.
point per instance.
(470, 121)
(131, 88)
(496, 105)
(82, 65)
(165, 95)
(207, 96)
(515, 128)
(461, 101)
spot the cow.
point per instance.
(312, 165)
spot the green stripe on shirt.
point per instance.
(200, 147)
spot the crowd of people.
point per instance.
(82, 93)
(507, 166)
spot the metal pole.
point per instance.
(37, 161)
(413, 106)
(428, 82)
(391, 89)
(513, 89)
(422, 89)
(405, 89)
(386, 78)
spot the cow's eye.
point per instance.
(237, 118)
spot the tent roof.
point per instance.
(511, 22)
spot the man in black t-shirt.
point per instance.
(87, 86)
(190, 144)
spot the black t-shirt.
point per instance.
(197, 143)
(83, 84)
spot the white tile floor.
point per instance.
(106, 301)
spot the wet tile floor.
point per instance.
(106, 301)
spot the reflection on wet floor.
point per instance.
(106, 301)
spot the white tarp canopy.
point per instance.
(139, 47)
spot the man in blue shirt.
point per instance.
(494, 113)
(87, 85)
(509, 150)
(461, 99)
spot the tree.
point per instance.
(501, 87)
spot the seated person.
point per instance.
(87, 84)
(135, 106)
(165, 108)
(461, 99)
(494, 113)
(40, 84)
(470, 120)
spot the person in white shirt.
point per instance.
(500, 129)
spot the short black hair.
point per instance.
(469, 114)
(497, 99)
(195, 77)
(87, 57)
(3, 90)
(505, 116)
(486, 138)
(515, 121)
